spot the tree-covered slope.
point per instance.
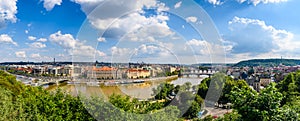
(268, 62)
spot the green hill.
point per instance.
(268, 62)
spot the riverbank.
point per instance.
(168, 78)
(122, 81)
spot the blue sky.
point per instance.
(176, 31)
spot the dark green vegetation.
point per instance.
(268, 62)
(280, 102)
(20, 102)
(276, 102)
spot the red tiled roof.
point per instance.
(104, 68)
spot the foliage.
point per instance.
(264, 106)
(133, 105)
(163, 90)
(19, 102)
(203, 87)
(230, 85)
(290, 86)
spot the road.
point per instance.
(216, 111)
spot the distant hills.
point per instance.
(268, 62)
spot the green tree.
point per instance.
(264, 106)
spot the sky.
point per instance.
(150, 31)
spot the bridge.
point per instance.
(197, 73)
(53, 82)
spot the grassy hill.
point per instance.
(268, 62)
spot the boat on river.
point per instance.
(138, 81)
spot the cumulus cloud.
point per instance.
(215, 2)
(73, 46)
(42, 40)
(120, 51)
(202, 47)
(31, 38)
(255, 2)
(64, 40)
(8, 11)
(50, 4)
(38, 45)
(101, 39)
(20, 54)
(191, 19)
(35, 55)
(149, 31)
(116, 25)
(177, 5)
(143, 52)
(254, 36)
(4, 38)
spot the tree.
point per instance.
(230, 85)
(263, 106)
(163, 90)
(289, 87)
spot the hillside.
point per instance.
(268, 62)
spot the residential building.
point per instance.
(135, 73)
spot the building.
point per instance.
(256, 84)
(250, 80)
(265, 81)
(104, 72)
(170, 69)
(236, 74)
(135, 73)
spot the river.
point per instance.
(140, 91)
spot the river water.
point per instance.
(140, 91)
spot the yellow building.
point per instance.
(265, 81)
(105, 72)
(134, 73)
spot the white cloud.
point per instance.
(144, 52)
(4, 38)
(177, 5)
(20, 54)
(202, 47)
(149, 31)
(215, 2)
(74, 47)
(8, 10)
(115, 51)
(195, 42)
(256, 2)
(64, 40)
(101, 39)
(191, 19)
(35, 55)
(49, 4)
(254, 36)
(86, 51)
(26, 31)
(38, 45)
(42, 40)
(31, 38)
(116, 24)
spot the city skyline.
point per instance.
(150, 31)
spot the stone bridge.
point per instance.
(197, 73)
